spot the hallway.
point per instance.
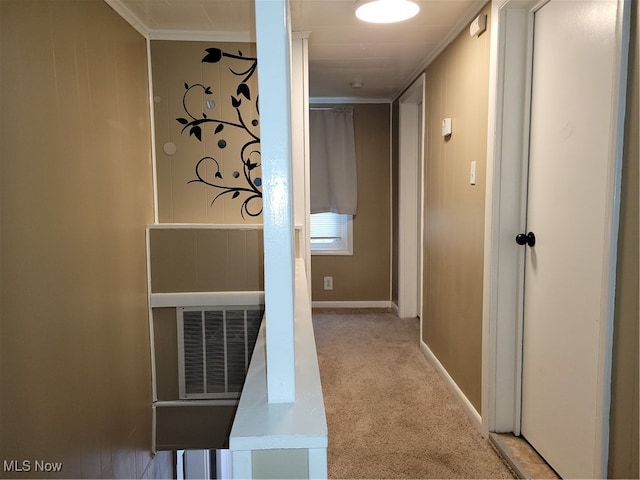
(389, 413)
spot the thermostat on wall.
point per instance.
(478, 26)
(446, 127)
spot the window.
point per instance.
(331, 234)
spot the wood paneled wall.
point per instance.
(206, 260)
(364, 276)
(176, 67)
(76, 183)
(456, 87)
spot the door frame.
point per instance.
(505, 215)
(411, 127)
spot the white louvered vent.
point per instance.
(214, 349)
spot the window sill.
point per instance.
(331, 252)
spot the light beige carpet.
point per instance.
(389, 413)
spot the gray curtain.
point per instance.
(334, 186)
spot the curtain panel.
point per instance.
(334, 186)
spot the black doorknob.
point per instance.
(526, 239)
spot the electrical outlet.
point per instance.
(328, 283)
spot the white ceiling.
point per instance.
(342, 49)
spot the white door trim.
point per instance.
(507, 147)
(410, 188)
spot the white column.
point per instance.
(242, 464)
(318, 463)
(273, 38)
(300, 142)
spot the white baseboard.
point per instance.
(395, 308)
(348, 304)
(475, 417)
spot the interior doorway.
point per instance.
(410, 195)
(506, 407)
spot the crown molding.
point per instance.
(340, 100)
(471, 13)
(127, 15)
(202, 36)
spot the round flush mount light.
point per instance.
(385, 11)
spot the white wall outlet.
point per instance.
(446, 127)
(472, 174)
(328, 283)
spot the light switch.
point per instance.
(472, 174)
(446, 127)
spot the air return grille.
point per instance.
(214, 349)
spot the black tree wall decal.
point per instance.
(249, 152)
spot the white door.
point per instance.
(419, 219)
(566, 291)
(409, 194)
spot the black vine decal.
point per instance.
(250, 151)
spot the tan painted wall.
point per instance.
(623, 447)
(456, 87)
(192, 427)
(206, 260)
(364, 276)
(174, 64)
(76, 195)
(280, 463)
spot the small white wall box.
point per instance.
(478, 26)
(446, 127)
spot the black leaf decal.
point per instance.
(243, 89)
(245, 184)
(213, 55)
(197, 132)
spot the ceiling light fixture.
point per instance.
(385, 11)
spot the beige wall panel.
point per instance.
(189, 200)
(213, 259)
(194, 427)
(206, 260)
(456, 86)
(166, 349)
(237, 260)
(162, 131)
(623, 447)
(174, 260)
(173, 65)
(365, 275)
(76, 194)
(280, 464)
(254, 249)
